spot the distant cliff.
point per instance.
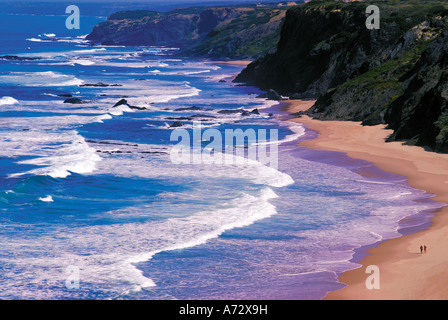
(397, 75)
(233, 32)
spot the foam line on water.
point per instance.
(8, 101)
(298, 131)
(75, 156)
(204, 226)
(40, 79)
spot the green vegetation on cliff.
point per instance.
(232, 32)
(395, 75)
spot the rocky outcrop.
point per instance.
(323, 45)
(145, 28)
(124, 102)
(420, 114)
(218, 32)
(100, 84)
(396, 75)
(17, 58)
(176, 124)
(74, 101)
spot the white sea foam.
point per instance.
(83, 62)
(133, 64)
(61, 160)
(111, 265)
(144, 95)
(35, 40)
(40, 79)
(267, 104)
(87, 51)
(46, 199)
(173, 73)
(203, 226)
(298, 131)
(168, 126)
(7, 101)
(102, 117)
(118, 111)
(51, 37)
(219, 77)
(230, 166)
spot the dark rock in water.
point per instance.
(74, 101)
(231, 111)
(65, 95)
(125, 102)
(246, 113)
(178, 118)
(99, 84)
(136, 108)
(119, 103)
(271, 114)
(176, 124)
(193, 108)
(222, 80)
(153, 152)
(203, 116)
(255, 111)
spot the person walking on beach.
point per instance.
(421, 249)
(424, 247)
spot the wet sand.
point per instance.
(404, 273)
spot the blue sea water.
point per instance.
(93, 207)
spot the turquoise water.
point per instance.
(92, 188)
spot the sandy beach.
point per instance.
(404, 272)
(234, 62)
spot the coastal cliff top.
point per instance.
(223, 32)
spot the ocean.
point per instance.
(92, 205)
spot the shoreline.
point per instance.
(243, 63)
(404, 272)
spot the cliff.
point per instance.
(396, 75)
(233, 32)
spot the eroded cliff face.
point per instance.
(213, 32)
(154, 28)
(308, 58)
(395, 75)
(420, 113)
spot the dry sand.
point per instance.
(404, 272)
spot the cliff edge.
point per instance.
(394, 75)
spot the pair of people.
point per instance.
(423, 248)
